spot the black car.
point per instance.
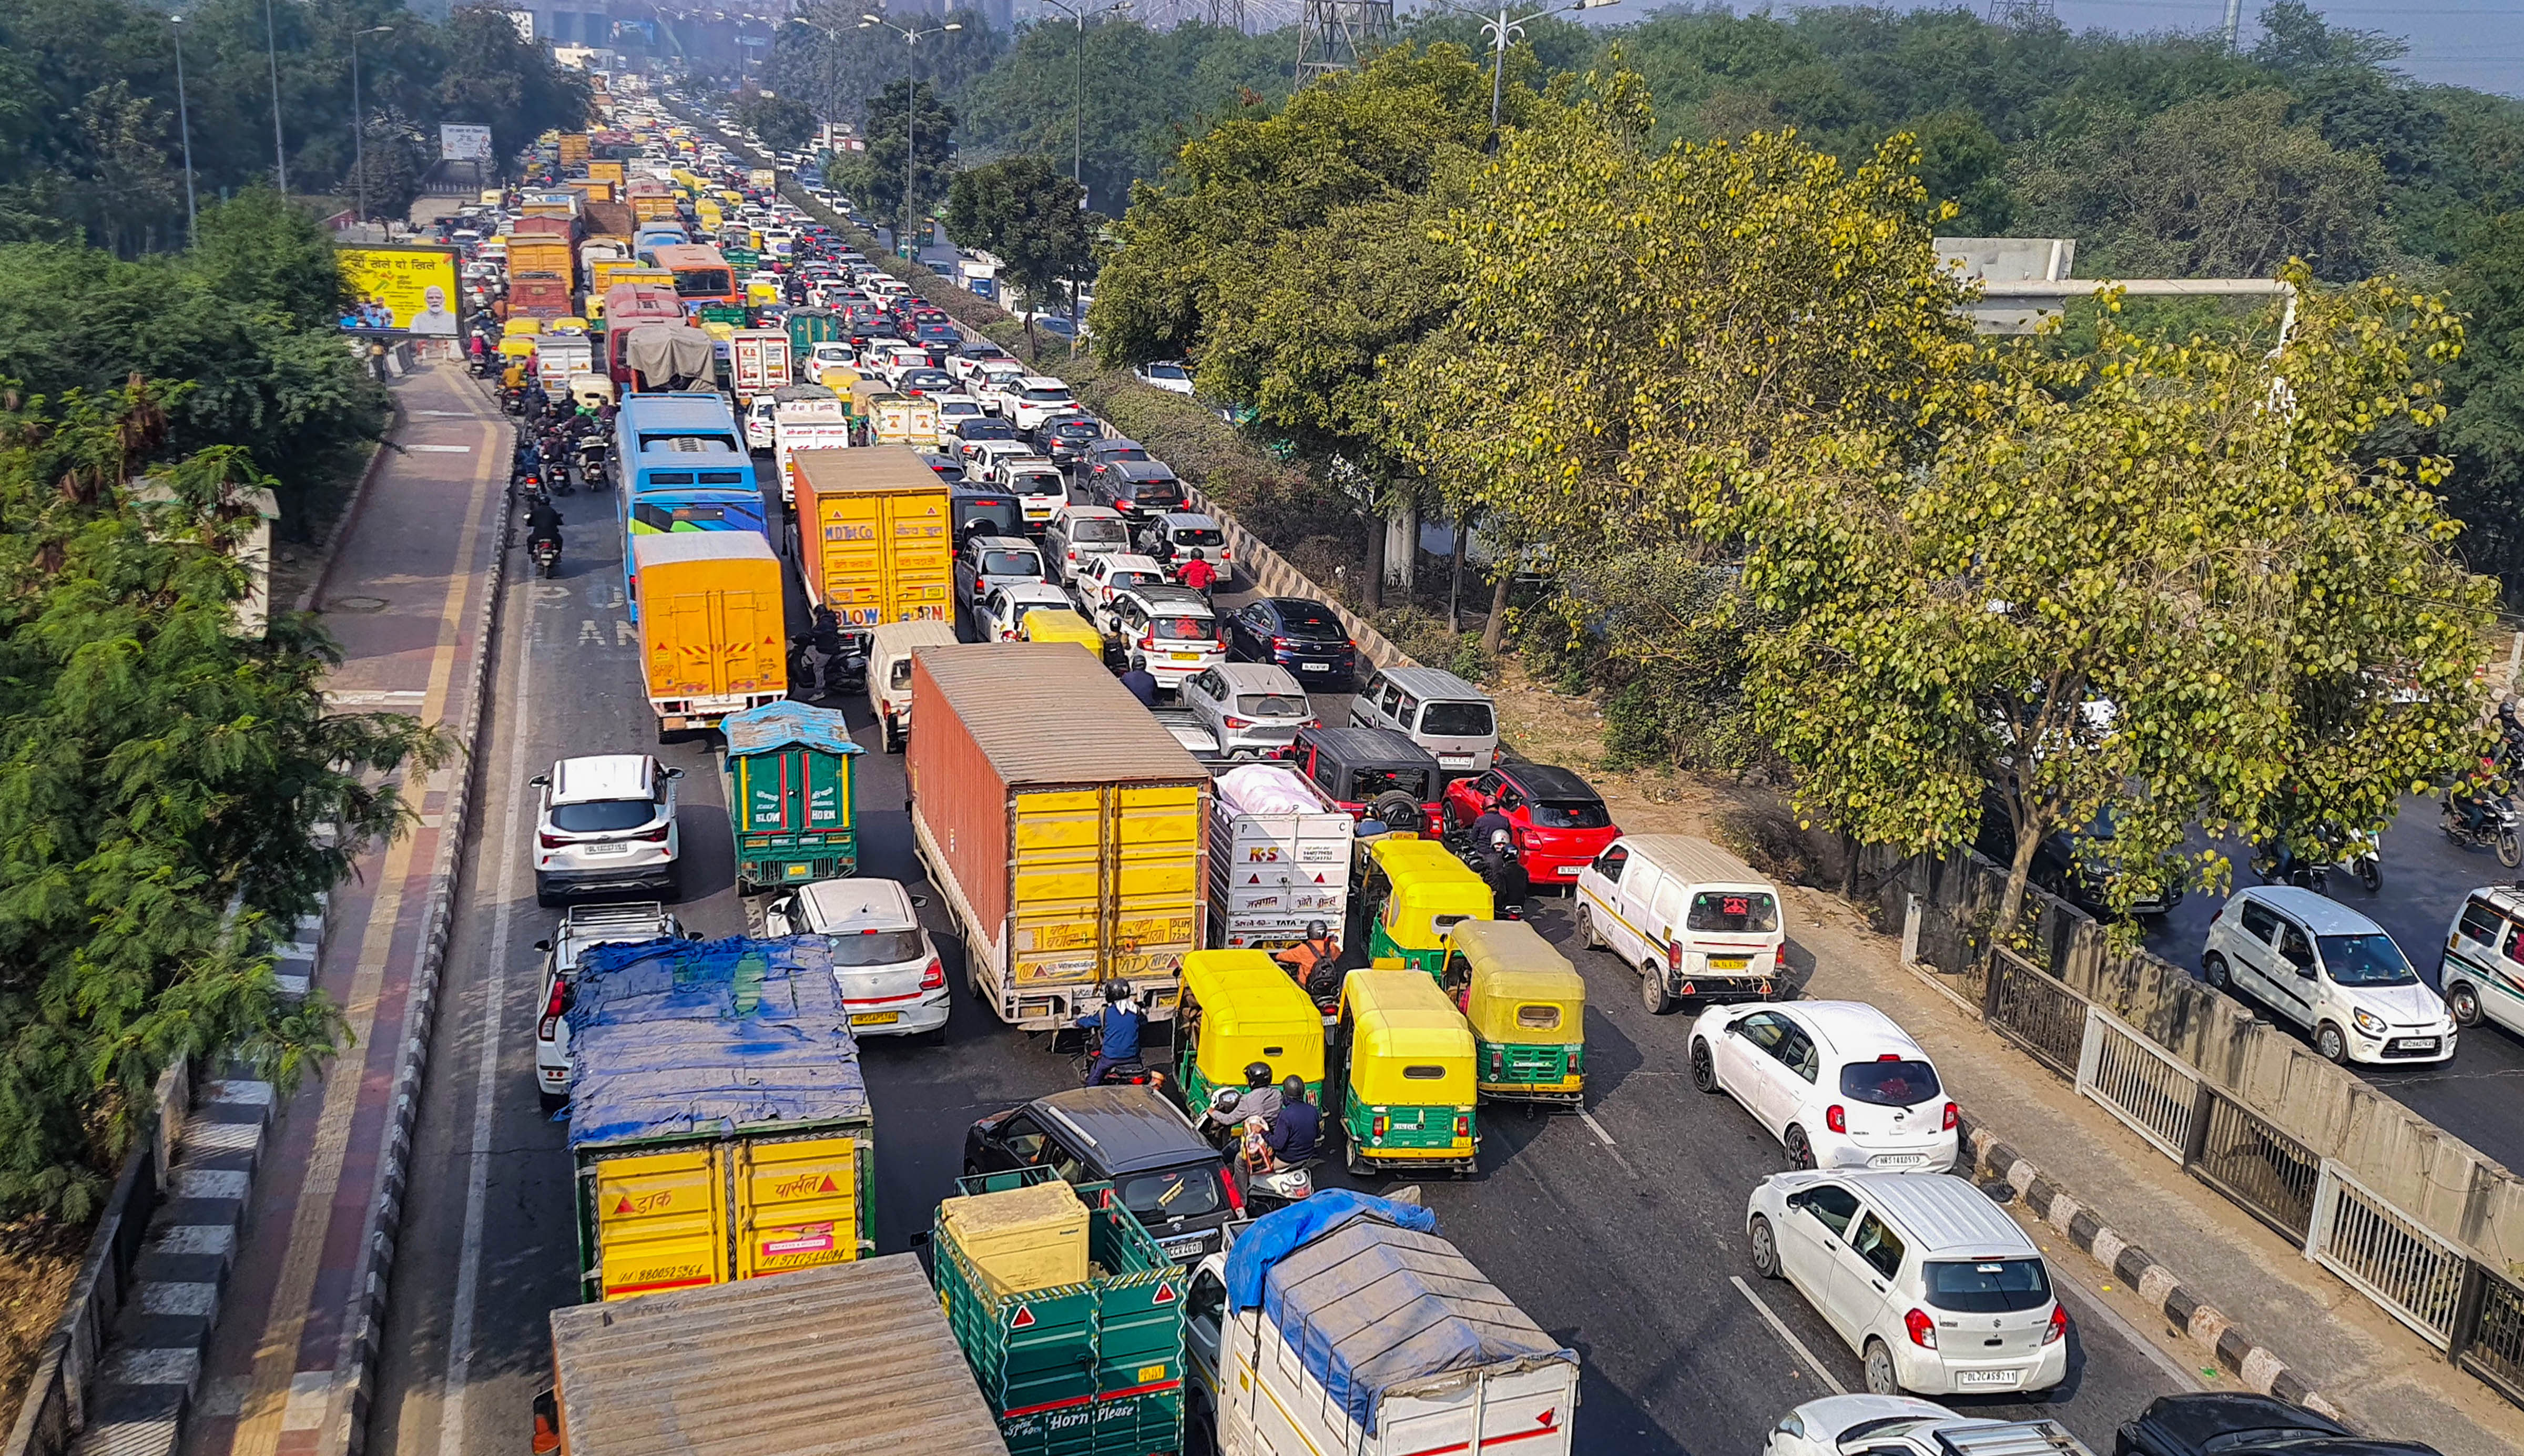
(948, 468)
(1372, 771)
(1166, 1174)
(1305, 637)
(1105, 455)
(1064, 439)
(986, 512)
(1138, 489)
(2237, 1423)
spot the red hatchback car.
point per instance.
(1559, 823)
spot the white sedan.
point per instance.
(1894, 1425)
(1837, 1083)
(1002, 612)
(1165, 373)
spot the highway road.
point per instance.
(1618, 1230)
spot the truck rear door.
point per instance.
(797, 1203)
(1106, 882)
(661, 1221)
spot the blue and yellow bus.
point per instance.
(683, 467)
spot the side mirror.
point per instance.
(543, 945)
(541, 781)
(674, 773)
(919, 902)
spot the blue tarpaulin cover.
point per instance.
(776, 725)
(682, 1037)
(1371, 1299)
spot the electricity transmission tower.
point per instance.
(1337, 34)
(1227, 14)
(2022, 15)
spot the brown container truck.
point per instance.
(1064, 826)
(609, 220)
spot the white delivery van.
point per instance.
(1435, 709)
(889, 673)
(1692, 919)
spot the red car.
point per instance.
(1559, 824)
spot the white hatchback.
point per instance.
(2331, 971)
(891, 978)
(1836, 1082)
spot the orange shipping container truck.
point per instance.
(712, 637)
(872, 535)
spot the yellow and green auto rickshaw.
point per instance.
(1239, 1008)
(1526, 1005)
(1416, 894)
(1405, 1074)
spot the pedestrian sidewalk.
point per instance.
(2351, 1353)
(409, 596)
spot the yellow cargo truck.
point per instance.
(872, 536)
(1063, 825)
(718, 1120)
(713, 639)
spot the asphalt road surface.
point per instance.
(1619, 1231)
(2425, 877)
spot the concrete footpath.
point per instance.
(2339, 1345)
(407, 599)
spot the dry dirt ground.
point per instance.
(36, 1269)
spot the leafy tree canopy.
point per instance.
(784, 125)
(1032, 217)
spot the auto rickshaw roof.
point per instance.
(1436, 892)
(1405, 1013)
(1409, 853)
(1246, 998)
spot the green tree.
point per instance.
(782, 122)
(2485, 427)
(1033, 218)
(493, 77)
(930, 149)
(828, 60)
(159, 768)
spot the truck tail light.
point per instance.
(553, 1006)
(2058, 1330)
(1924, 1330)
(1837, 1118)
(1953, 1117)
(933, 977)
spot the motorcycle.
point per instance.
(2496, 828)
(547, 555)
(1291, 1183)
(591, 462)
(2280, 866)
(1129, 1073)
(2365, 859)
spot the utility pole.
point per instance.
(1077, 153)
(358, 121)
(2234, 23)
(280, 147)
(910, 114)
(184, 124)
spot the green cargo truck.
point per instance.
(809, 328)
(792, 795)
(1091, 1368)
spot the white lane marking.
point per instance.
(1785, 1334)
(440, 449)
(1600, 1135)
(447, 414)
(390, 695)
(468, 1268)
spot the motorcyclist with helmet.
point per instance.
(1317, 951)
(1118, 1026)
(1258, 1099)
(1298, 1129)
(543, 523)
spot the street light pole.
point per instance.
(184, 124)
(280, 147)
(1500, 29)
(910, 114)
(359, 128)
(1078, 152)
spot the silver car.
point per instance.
(1252, 708)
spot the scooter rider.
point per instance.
(1259, 1098)
(1120, 1024)
(1311, 954)
(543, 523)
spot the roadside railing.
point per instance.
(2262, 1170)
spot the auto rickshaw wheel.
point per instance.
(1358, 1166)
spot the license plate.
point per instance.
(1184, 656)
(1195, 1242)
(876, 1018)
(1898, 1159)
(1314, 667)
(1569, 871)
(1969, 1378)
(604, 849)
(1728, 962)
(2412, 1044)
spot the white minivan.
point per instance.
(1434, 708)
(1691, 918)
(2331, 971)
(2483, 969)
(1938, 1291)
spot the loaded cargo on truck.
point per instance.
(1344, 1322)
(1071, 1315)
(719, 1123)
(1062, 824)
(872, 537)
(712, 636)
(857, 1357)
(1279, 858)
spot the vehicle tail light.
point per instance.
(1149, 642)
(1279, 644)
(656, 836)
(1463, 1125)
(553, 1006)
(1924, 1330)
(1954, 1116)
(1235, 1195)
(1376, 1128)
(2058, 1330)
(1238, 722)
(1837, 1118)
(933, 977)
(549, 841)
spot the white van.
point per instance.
(1439, 711)
(2483, 968)
(889, 673)
(1938, 1291)
(1692, 919)
(2331, 971)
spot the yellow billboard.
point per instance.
(416, 286)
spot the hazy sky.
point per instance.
(2478, 43)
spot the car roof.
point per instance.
(1187, 518)
(1169, 598)
(2315, 911)
(2197, 1417)
(1257, 676)
(1357, 746)
(1042, 382)
(1548, 781)
(860, 905)
(600, 776)
(1112, 443)
(1124, 1129)
(1085, 511)
(1425, 683)
(1944, 1215)
(1032, 591)
(1137, 470)
(1286, 605)
(1854, 1030)
(1000, 543)
(1125, 560)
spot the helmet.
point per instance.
(1315, 929)
(1498, 838)
(1294, 1089)
(1257, 1074)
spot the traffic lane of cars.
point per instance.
(2425, 879)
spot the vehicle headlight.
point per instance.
(2370, 1023)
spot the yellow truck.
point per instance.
(573, 149)
(895, 418)
(1062, 824)
(713, 637)
(719, 1121)
(873, 536)
(602, 169)
(605, 273)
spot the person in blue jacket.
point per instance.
(1121, 1023)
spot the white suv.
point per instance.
(582, 929)
(890, 975)
(607, 822)
(2331, 971)
(1029, 402)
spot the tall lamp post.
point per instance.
(359, 128)
(184, 124)
(910, 113)
(1501, 28)
(280, 147)
(1077, 153)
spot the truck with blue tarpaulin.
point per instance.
(719, 1122)
(792, 795)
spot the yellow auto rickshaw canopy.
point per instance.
(1402, 1026)
(1398, 853)
(1251, 1011)
(516, 327)
(1056, 625)
(1523, 990)
(1428, 901)
(518, 347)
(566, 325)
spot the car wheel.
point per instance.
(1882, 1377)
(2214, 967)
(1587, 936)
(1652, 992)
(2463, 999)
(1704, 1069)
(2331, 1044)
(1766, 1248)
(1800, 1146)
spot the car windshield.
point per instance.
(1987, 1287)
(875, 948)
(1181, 628)
(1099, 532)
(1889, 1083)
(1046, 395)
(1157, 493)
(1270, 706)
(1123, 581)
(1074, 429)
(1733, 912)
(1571, 813)
(1456, 719)
(2365, 960)
(1311, 624)
(1011, 563)
(1167, 371)
(986, 429)
(998, 518)
(1173, 1193)
(602, 815)
(1042, 483)
(1375, 783)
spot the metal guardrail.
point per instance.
(2036, 1012)
(2491, 1335)
(2415, 1276)
(2262, 1170)
(2130, 1078)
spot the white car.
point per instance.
(759, 434)
(582, 928)
(1167, 375)
(2331, 971)
(1003, 608)
(1095, 582)
(899, 360)
(989, 383)
(968, 361)
(1034, 399)
(607, 822)
(982, 457)
(831, 355)
(891, 981)
(1836, 1082)
(954, 407)
(1903, 1425)
(1252, 708)
(1937, 1291)
(1169, 632)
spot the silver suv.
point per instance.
(584, 927)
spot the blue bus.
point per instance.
(683, 466)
